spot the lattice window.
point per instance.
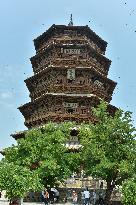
(84, 110)
(81, 80)
(70, 110)
(58, 109)
(59, 80)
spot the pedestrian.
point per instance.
(87, 196)
(45, 196)
(51, 196)
(101, 200)
(94, 197)
(74, 197)
(56, 194)
(101, 185)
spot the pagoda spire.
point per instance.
(71, 21)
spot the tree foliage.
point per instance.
(108, 152)
(17, 180)
(129, 192)
(109, 147)
(41, 156)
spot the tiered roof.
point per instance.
(70, 77)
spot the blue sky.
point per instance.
(23, 20)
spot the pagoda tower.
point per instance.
(70, 76)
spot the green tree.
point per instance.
(129, 192)
(17, 180)
(109, 147)
(40, 155)
(108, 152)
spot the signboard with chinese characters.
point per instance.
(71, 74)
(70, 105)
(70, 51)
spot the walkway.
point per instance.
(3, 202)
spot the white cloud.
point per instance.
(5, 95)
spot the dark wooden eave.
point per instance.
(2, 152)
(33, 104)
(95, 53)
(43, 71)
(57, 94)
(31, 79)
(50, 32)
(19, 135)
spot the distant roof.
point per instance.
(18, 135)
(2, 152)
(86, 28)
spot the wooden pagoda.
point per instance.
(70, 77)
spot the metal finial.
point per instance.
(71, 21)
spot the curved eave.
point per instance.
(102, 57)
(86, 28)
(43, 35)
(56, 94)
(46, 50)
(18, 135)
(29, 80)
(21, 108)
(2, 152)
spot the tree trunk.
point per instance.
(108, 193)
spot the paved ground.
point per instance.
(7, 203)
(3, 202)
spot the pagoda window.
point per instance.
(70, 110)
(84, 110)
(59, 80)
(58, 109)
(74, 132)
(81, 80)
(70, 81)
(90, 81)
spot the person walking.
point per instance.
(101, 200)
(51, 196)
(56, 194)
(94, 197)
(45, 196)
(74, 197)
(87, 196)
